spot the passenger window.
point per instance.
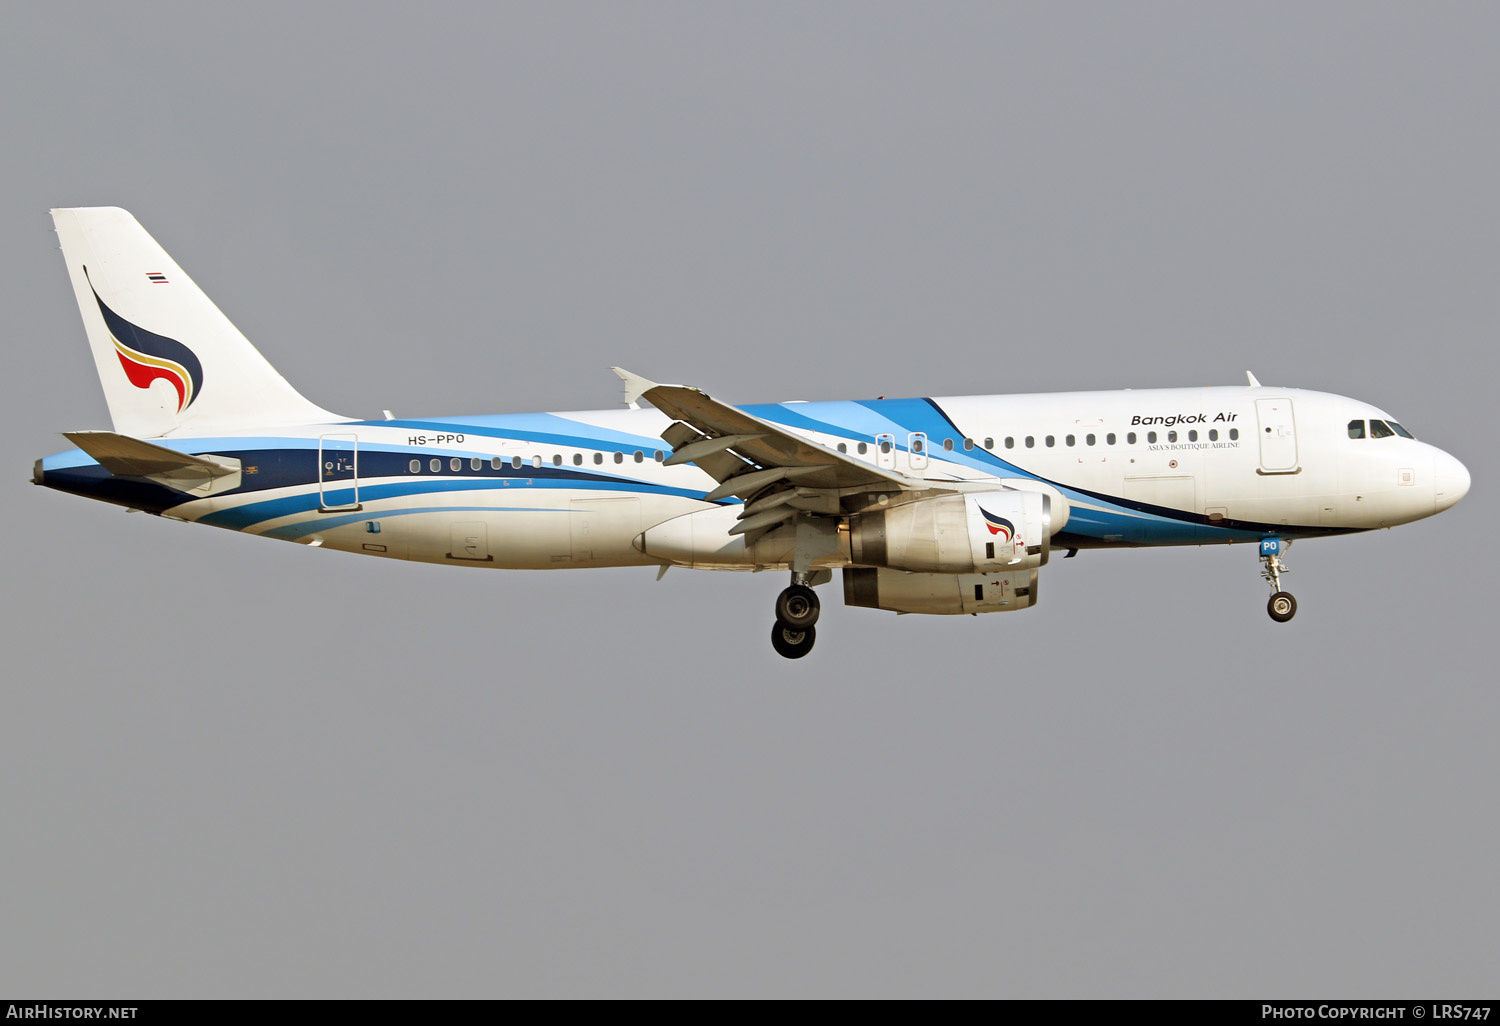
(1109, 439)
(1069, 440)
(416, 466)
(639, 456)
(1010, 443)
(435, 465)
(1030, 442)
(1356, 429)
(863, 448)
(917, 446)
(476, 464)
(885, 446)
(968, 444)
(658, 456)
(1089, 439)
(1051, 441)
(556, 460)
(1399, 429)
(843, 447)
(989, 443)
(598, 458)
(515, 463)
(947, 445)
(1171, 436)
(1379, 430)
(1130, 438)
(578, 459)
(455, 464)
(496, 463)
(1193, 436)
(1234, 434)
(619, 457)
(1150, 437)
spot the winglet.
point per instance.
(1251, 378)
(635, 386)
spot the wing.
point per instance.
(777, 473)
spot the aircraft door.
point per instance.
(885, 451)
(1278, 436)
(917, 450)
(338, 472)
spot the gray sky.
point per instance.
(235, 767)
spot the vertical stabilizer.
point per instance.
(170, 362)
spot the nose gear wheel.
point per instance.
(1282, 606)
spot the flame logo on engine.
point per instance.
(998, 525)
(147, 356)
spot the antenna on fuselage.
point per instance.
(1251, 378)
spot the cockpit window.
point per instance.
(1399, 429)
(1379, 430)
(1356, 429)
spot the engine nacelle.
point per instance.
(877, 588)
(979, 532)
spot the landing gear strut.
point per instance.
(797, 610)
(1282, 606)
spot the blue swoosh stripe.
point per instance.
(543, 427)
(240, 517)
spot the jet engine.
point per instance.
(978, 532)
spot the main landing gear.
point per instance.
(797, 608)
(1282, 606)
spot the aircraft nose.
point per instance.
(1450, 481)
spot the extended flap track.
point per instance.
(771, 494)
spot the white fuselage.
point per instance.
(1145, 467)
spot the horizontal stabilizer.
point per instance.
(124, 456)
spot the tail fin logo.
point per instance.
(998, 525)
(146, 356)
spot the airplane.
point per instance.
(924, 505)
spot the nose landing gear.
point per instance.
(797, 609)
(1282, 606)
